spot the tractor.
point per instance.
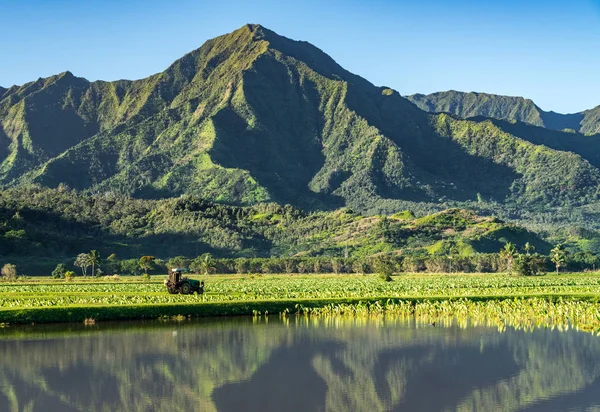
(180, 284)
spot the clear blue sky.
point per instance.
(545, 50)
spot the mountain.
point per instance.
(466, 105)
(252, 116)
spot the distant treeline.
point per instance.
(481, 263)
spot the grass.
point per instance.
(543, 300)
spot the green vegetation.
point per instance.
(237, 295)
(54, 227)
(509, 108)
(558, 256)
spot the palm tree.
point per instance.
(528, 248)
(558, 256)
(207, 264)
(94, 257)
(509, 253)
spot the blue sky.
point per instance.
(543, 50)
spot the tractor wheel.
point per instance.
(186, 288)
(199, 291)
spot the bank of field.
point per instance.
(571, 298)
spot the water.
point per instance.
(299, 364)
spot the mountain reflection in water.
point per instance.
(297, 364)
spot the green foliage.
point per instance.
(468, 105)
(94, 260)
(558, 256)
(58, 226)
(384, 268)
(178, 262)
(83, 261)
(59, 271)
(204, 264)
(351, 295)
(146, 263)
(529, 264)
(509, 253)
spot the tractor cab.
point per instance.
(176, 275)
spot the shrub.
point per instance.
(69, 275)
(9, 272)
(59, 271)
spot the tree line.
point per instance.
(524, 262)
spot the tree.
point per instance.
(94, 257)
(529, 264)
(508, 253)
(558, 256)
(289, 265)
(206, 264)
(528, 248)
(130, 267)
(112, 264)
(242, 265)
(317, 265)
(337, 265)
(384, 268)
(9, 271)
(360, 266)
(178, 262)
(83, 261)
(146, 263)
(59, 271)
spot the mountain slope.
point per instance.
(252, 116)
(510, 108)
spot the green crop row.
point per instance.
(240, 295)
(579, 312)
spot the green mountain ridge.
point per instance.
(511, 108)
(252, 116)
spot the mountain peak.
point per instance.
(66, 74)
(66, 79)
(251, 32)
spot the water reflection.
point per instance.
(276, 385)
(300, 364)
(437, 379)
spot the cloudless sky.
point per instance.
(544, 50)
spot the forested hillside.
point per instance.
(49, 226)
